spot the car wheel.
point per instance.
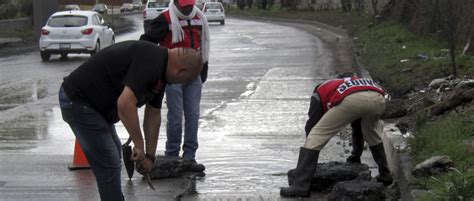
(45, 56)
(97, 48)
(64, 55)
(222, 22)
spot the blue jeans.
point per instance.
(181, 98)
(100, 143)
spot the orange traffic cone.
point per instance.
(79, 161)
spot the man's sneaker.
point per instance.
(193, 166)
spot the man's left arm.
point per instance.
(151, 128)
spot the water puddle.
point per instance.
(18, 93)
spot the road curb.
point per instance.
(9, 48)
(398, 159)
(10, 42)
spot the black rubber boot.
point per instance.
(357, 142)
(307, 162)
(378, 153)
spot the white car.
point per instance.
(214, 12)
(74, 32)
(153, 9)
(72, 7)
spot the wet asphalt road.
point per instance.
(253, 110)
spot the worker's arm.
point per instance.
(127, 111)
(151, 128)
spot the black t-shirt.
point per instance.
(100, 81)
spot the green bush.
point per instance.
(25, 6)
(7, 11)
(444, 137)
(455, 186)
(16, 9)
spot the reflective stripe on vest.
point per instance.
(348, 84)
(195, 28)
(184, 23)
(334, 91)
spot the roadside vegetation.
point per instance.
(447, 136)
(405, 57)
(403, 61)
(11, 9)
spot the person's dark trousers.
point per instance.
(357, 142)
(305, 169)
(380, 158)
(100, 143)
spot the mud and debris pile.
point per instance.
(433, 166)
(347, 181)
(165, 167)
(442, 96)
(329, 174)
(357, 191)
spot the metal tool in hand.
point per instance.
(130, 165)
(148, 180)
(127, 158)
(146, 175)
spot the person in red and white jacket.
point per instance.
(343, 101)
(182, 25)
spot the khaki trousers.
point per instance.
(367, 105)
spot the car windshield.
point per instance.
(72, 7)
(213, 6)
(67, 21)
(98, 6)
(157, 5)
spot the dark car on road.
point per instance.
(137, 5)
(100, 8)
(126, 7)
